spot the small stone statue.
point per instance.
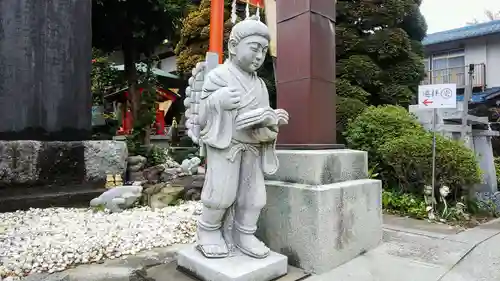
(119, 198)
(110, 181)
(190, 166)
(232, 121)
(430, 201)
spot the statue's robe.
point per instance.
(237, 159)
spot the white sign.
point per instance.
(437, 96)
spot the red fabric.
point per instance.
(255, 3)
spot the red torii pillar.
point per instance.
(217, 28)
(217, 25)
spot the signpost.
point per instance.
(434, 97)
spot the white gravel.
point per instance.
(50, 240)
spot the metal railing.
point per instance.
(457, 75)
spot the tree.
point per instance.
(194, 40)
(135, 27)
(379, 50)
(490, 16)
(195, 33)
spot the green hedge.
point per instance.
(377, 125)
(408, 162)
(347, 109)
(402, 150)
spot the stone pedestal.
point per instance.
(484, 152)
(238, 267)
(321, 210)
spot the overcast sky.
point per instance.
(448, 14)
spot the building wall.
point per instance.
(493, 63)
(485, 50)
(479, 50)
(166, 64)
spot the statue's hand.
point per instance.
(283, 116)
(229, 98)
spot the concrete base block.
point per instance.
(321, 166)
(320, 227)
(237, 267)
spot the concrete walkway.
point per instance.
(420, 251)
(412, 251)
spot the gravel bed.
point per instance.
(54, 239)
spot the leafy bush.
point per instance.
(401, 149)
(404, 204)
(156, 156)
(377, 125)
(408, 163)
(347, 110)
(497, 169)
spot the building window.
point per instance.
(448, 67)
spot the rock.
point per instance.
(136, 176)
(105, 157)
(192, 186)
(162, 195)
(135, 167)
(18, 161)
(118, 198)
(24, 162)
(168, 175)
(55, 163)
(171, 163)
(136, 159)
(153, 174)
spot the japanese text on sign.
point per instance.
(437, 96)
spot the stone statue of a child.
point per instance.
(238, 131)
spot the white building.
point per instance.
(449, 54)
(164, 54)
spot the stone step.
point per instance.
(76, 197)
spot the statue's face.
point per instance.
(250, 52)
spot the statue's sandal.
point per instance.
(212, 255)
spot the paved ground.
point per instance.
(425, 252)
(412, 251)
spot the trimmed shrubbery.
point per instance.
(402, 150)
(408, 160)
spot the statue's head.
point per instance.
(248, 44)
